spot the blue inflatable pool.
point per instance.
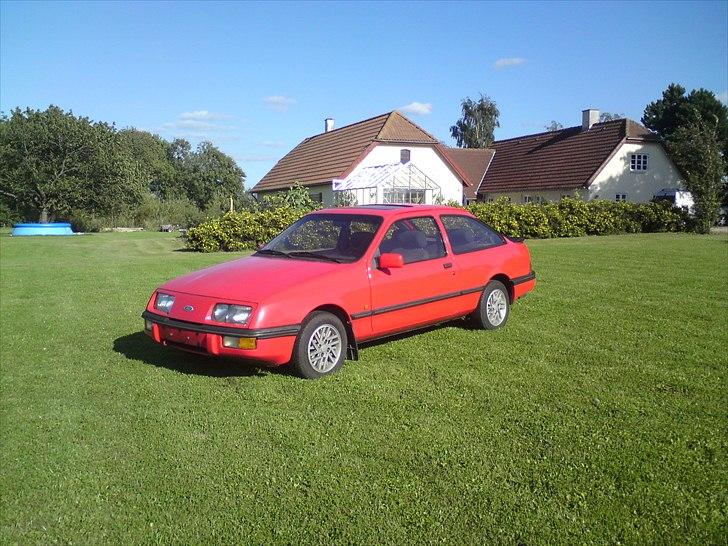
(56, 228)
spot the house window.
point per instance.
(404, 156)
(527, 199)
(638, 162)
(318, 197)
(620, 197)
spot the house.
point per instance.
(615, 160)
(384, 159)
(390, 159)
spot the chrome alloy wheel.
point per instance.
(324, 348)
(496, 307)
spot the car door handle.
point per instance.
(447, 265)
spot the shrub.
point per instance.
(83, 222)
(241, 230)
(572, 217)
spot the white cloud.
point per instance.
(199, 125)
(279, 103)
(203, 115)
(722, 97)
(417, 108)
(508, 61)
(272, 143)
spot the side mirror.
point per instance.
(390, 260)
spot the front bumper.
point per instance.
(272, 345)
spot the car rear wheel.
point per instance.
(320, 346)
(494, 306)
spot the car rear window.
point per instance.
(468, 234)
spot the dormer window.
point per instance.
(404, 156)
(638, 162)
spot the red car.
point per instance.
(338, 277)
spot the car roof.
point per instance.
(393, 210)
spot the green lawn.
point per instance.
(598, 415)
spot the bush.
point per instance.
(573, 217)
(83, 222)
(241, 230)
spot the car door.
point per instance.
(475, 251)
(416, 293)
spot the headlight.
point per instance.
(164, 302)
(238, 314)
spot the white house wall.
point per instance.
(425, 158)
(640, 187)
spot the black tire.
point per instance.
(502, 301)
(304, 363)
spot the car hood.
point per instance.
(249, 279)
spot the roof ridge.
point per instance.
(391, 116)
(347, 126)
(600, 124)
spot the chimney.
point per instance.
(589, 117)
(328, 125)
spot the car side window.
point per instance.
(416, 239)
(467, 234)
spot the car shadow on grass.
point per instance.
(138, 346)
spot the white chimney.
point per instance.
(328, 125)
(589, 117)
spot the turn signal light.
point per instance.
(239, 342)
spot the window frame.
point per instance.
(479, 221)
(644, 159)
(620, 197)
(378, 253)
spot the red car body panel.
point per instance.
(374, 302)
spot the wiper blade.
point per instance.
(272, 252)
(307, 254)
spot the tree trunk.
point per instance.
(44, 215)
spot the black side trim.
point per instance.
(415, 303)
(260, 333)
(525, 278)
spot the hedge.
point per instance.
(568, 218)
(575, 218)
(241, 230)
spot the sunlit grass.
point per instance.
(598, 415)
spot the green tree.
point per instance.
(151, 157)
(478, 122)
(695, 147)
(54, 162)
(676, 109)
(207, 172)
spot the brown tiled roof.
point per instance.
(326, 156)
(565, 159)
(473, 162)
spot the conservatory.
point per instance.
(396, 183)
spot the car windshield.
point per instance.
(341, 238)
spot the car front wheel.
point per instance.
(494, 306)
(320, 346)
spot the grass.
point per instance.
(598, 415)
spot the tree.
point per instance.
(607, 116)
(695, 148)
(554, 126)
(478, 122)
(206, 172)
(54, 162)
(151, 156)
(676, 109)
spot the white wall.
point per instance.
(426, 159)
(642, 186)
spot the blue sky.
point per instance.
(256, 78)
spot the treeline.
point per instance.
(55, 166)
